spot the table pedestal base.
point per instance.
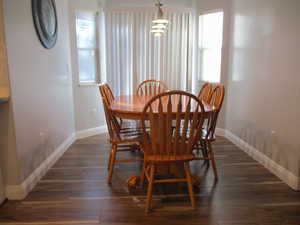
(135, 181)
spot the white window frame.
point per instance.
(96, 49)
(202, 49)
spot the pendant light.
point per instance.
(159, 25)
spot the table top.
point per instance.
(131, 106)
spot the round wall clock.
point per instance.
(45, 21)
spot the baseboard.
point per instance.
(91, 132)
(282, 173)
(19, 192)
(220, 132)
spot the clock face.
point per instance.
(48, 18)
(45, 20)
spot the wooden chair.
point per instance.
(121, 138)
(151, 87)
(208, 133)
(165, 144)
(205, 92)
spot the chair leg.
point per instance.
(213, 161)
(150, 189)
(143, 174)
(190, 184)
(205, 151)
(112, 162)
(109, 161)
(198, 147)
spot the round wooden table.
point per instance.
(131, 107)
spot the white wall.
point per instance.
(263, 99)
(41, 85)
(8, 158)
(88, 107)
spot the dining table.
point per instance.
(130, 107)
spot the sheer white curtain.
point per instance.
(133, 54)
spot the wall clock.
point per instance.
(45, 21)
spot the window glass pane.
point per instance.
(211, 65)
(210, 46)
(87, 65)
(211, 30)
(86, 30)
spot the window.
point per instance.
(210, 44)
(87, 47)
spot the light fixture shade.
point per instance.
(159, 26)
(157, 31)
(157, 34)
(160, 21)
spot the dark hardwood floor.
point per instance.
(75, 192)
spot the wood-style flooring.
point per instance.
(75, 192)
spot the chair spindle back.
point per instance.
(107, 92)
(175, 121)
(111, 121)
(205, 92)
(216, 100)
(151, 87)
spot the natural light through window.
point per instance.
(210, 45)
(87, 47)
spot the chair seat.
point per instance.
(132, 134)
(128, 135)
(169, 158)
(130, 124)
(203, 135)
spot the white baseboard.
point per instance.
(220, 132)
(91, 132)
(285, 175)
(19, 192)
